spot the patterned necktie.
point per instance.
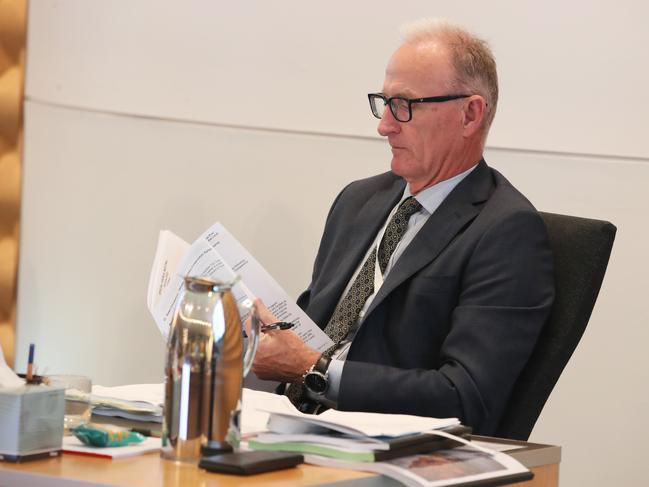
(346, 313)
(395, 230)
(348, 310)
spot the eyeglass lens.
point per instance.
(398, 106)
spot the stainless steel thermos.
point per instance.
(204, 371)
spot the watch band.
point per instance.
(321, 365)
(316, 378)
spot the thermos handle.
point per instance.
(253, 339)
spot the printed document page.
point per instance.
(218, 256)
(254, 420)
(201, 260)
(262, 284)
(170, 251)
(354, 423)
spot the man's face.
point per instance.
(428, 148)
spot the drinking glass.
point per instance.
(77, 398)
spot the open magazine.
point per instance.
(457, 466)
(218, 256)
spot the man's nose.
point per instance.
(388, 124)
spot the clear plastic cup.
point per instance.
(77, 398)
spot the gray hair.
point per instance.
(471, 58)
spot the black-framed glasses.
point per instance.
(400, 107)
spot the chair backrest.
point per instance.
(581, 248)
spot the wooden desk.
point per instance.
(150, 470)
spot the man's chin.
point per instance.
(398, 166)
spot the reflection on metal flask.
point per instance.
(204, 372)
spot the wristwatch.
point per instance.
(316, 379)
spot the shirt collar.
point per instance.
(430, 198)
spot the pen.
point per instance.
(280, 325)
(30, 364)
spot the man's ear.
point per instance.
(475, 110)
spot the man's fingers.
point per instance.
(264, 313)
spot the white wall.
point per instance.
(141, 116)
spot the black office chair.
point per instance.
(581, 249)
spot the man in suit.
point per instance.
(434, 279)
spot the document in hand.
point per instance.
(218, 256)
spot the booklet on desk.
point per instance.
(361, 449)
(135, 406)
(354, 435)
(147, 428)
(398, 446)
(357, 424)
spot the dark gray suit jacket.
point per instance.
(457, 317)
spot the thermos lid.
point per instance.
(204, 285)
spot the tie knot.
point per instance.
(409, 207)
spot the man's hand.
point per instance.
(281, 355)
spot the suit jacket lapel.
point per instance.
(363, 230)
(460, 207)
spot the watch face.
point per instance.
(315, 382)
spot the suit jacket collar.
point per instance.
(459, 208)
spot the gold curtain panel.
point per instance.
(12, 69)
